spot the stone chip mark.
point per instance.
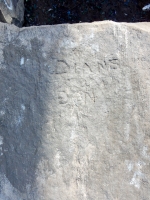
(88, 66)
(62, 97)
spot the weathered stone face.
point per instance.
(75, 112)
(12, 12)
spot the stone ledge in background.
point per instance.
(12, 12)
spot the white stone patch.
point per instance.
(9, 5)
(22, 61)
(2, 112)
(126, 37)
(139, 131)
(23, 107)
(44, 55)
(129, 165)
(1, 143)
(95, 47)
(91, 35)
(18, 120)
(65, 43)
(147, 7)
(73, 135)
(144, 152)
(121, 33)
(136, 179)
(1, 140)
(128, 85)
(127, 131)
(57, 159)
(138, 175)
(5, 100)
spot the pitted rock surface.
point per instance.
(75, 112)
(12, 12)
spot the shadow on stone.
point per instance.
(26, 91)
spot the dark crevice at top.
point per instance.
(49, 12)
(2, 19)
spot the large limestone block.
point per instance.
(75, 112)
(12, 12)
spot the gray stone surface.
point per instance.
(75, 112)
(12, 12)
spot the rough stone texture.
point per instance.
(75, 112)
(12, 12)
